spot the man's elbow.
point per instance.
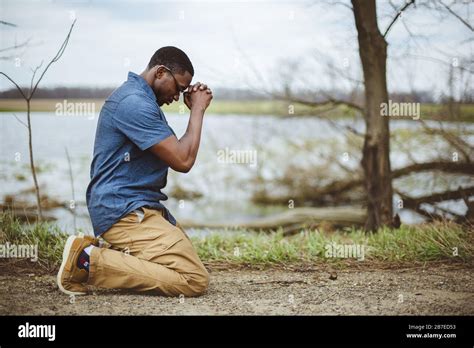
(184, 167)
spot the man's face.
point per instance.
(167, 86)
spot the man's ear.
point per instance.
(159, 71)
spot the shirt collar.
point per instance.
(142, 83)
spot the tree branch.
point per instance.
(8, 24)
(336, 188)
(55, 59)
(14, 83)
(16, 46)
(23, 123)
(437, 60)
(399, 13)
(330, 100)
(34, 73)
(456, 15)
(415, 203)
(455, 141)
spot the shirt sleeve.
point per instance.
(141, 121)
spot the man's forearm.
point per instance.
(192, 137)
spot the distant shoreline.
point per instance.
(246, 107)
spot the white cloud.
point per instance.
(109, 34)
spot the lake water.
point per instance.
(226, 187)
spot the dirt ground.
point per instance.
(435, 289)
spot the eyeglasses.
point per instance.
(178, 89)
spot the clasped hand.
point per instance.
(198, 95)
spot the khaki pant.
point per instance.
(148, 255)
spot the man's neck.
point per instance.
(146, 76)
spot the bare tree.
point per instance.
(376, 151)
(377, 173)
(27, 94)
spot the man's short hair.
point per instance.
(173, 58)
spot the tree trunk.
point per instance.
(32, 160)
(375, 155)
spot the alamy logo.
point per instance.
(75, 109)
(356, 251)
(8, 250)
(400, 109)
(237, 156)
(37, 331)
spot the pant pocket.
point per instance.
(153, 248)
(118, 238)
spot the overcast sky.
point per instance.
(231, 43)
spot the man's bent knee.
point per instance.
(198, 283)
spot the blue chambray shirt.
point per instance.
(124, 175)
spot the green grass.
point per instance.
(463, 112)
(264, 107)
(420, 243)
(47, 236)
(223, 107)
(428, 242)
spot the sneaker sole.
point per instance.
(66, 251)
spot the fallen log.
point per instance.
(333, 192)
(292, 220)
